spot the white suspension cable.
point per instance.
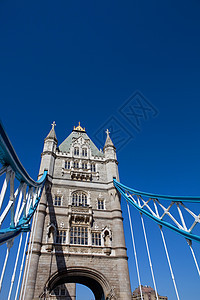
(15, 267)
(149, 257)
(18, 206)
(168, 259)
(193, 254)
(4, 267)
(12, 199)
(134, 247)
(9, 245)
(31, 247)
(4, 188)
(21, 267)
(30, 200)
(27, 260)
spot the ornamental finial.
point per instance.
(53, 124)
(107, 131)
(79, 128)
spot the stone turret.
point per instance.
(49, 152)
(111, 159)
(47, 163)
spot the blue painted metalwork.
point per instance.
(8, 157)
(123, 191)
(191, 199)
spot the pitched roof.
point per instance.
(67, 143)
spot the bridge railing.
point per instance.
(19, 198)
(20, 194)
(178, 213)
(172, 212)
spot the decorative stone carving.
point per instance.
(51, 231)
(78, 250)
(80, 215)
(107, 238)
(62, 225)
(81, 175)
(111, 295)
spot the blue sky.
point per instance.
(73, 61)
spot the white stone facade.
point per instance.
(79, 234)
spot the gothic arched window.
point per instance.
(93, 167)
(76, 151)
(76, 164)
(84, 166)
(67, 164)
(79, 199)
(84, 152)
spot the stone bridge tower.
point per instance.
(79, 233)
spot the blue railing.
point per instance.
(158, 212)
(23, 210)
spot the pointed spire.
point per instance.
(52, 134)
(108, 141)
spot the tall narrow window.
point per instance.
(79, 235)
(67, 165)
(61, 237)
(84, 152)
(84, 200)
(79, 199)
(74, 199)
(76, 151)
(57, 200)
(93, 168)
(84, 166)
(76, 164)
(96, 238)
(100, 204)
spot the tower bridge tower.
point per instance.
(79, 232)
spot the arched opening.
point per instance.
(71, 291)
(94, 280)
(84, 293)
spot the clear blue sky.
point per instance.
(73, 61)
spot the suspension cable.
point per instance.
(134, 247)
(149, 257)
(4, 267)
(168, 259)
(31, 248)
(21, 267)
(26, 263)
(15, 267)
(193, 254)
(27, 260)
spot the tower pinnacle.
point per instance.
(52, 134)
(53, 124)
(108, 140)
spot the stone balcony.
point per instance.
(80, 215)
(81, 174)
